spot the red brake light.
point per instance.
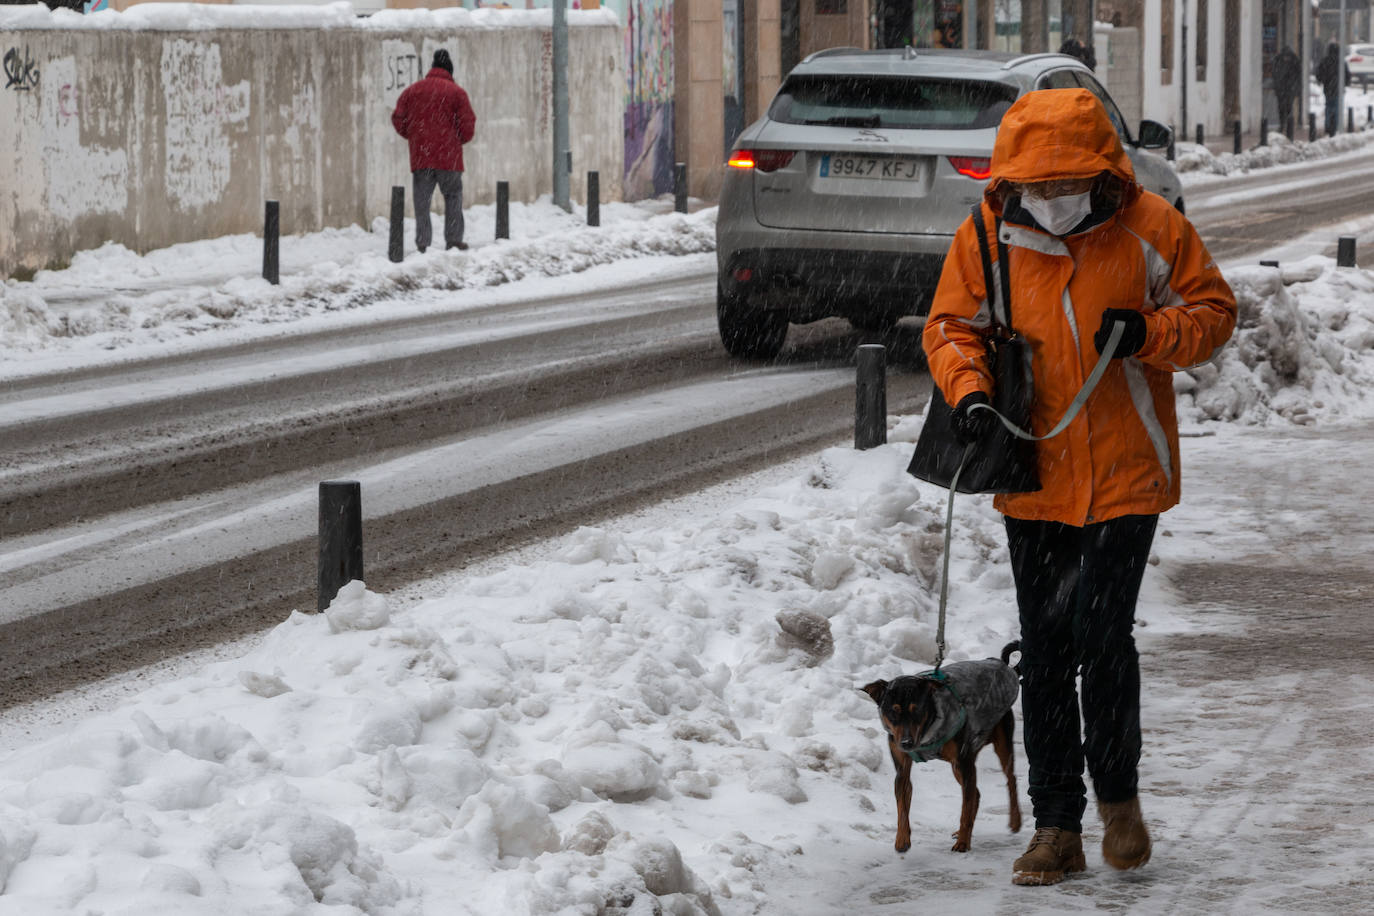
(1355, 59)
(972, 166)
(765, 160)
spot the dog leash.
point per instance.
(1118, 329)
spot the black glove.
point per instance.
(1132, 339)
(971, 425)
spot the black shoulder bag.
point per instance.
(1000, 462)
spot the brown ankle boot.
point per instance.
(1052, 853)
(1125, 842)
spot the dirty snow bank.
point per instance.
(112, 298)
(1303, 350)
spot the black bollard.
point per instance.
(870, 397)
(271, 246)
(1369, 117)
(503, 209)
(1311, 127)
(1235, 137)
(396, 244)
(680, 186)
(593, 198)
(1199, 135)
(1264, 132)
(341, 537)
(1345, 251)
(1349, 119)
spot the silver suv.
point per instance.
(843, 199)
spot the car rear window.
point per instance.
(899, 102)
(1366, 50)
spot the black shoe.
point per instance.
(421, 248)
(461, 246)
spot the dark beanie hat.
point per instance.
(443, 61)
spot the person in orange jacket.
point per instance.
(1086, 247)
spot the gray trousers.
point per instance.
(451, 186)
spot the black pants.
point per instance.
(1076, 589)
(451, 186)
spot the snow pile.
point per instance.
(623, 730)
(115, 297)
(1196, 162)
(186, 17)
(1303, 350)
(1279, 151)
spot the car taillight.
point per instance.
(1355, 59)
(765, 160)
(972, 166)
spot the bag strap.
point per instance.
(981, 229)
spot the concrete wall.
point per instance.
(148, 137)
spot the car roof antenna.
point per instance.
(908, 53)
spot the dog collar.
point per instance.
(930, 750)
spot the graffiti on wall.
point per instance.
(82, 176)
(21, 74)
(201, 110)
(649, 98)
(402, 68)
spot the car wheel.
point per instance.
(748, 333)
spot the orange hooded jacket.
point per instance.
(1120, 455)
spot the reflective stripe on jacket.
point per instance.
(434, 114)
(1120, 455)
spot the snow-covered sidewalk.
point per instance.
(664, 715)
(112, 304)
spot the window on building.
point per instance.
(1201, 52)
(1166, 42)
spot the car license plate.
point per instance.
(877, 167)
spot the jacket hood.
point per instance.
(439, 73)
(1056, 133)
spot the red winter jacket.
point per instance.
(435, 115)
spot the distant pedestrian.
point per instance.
(1075, 48)
(435, 115)
(1286, 72)
(1329, 72)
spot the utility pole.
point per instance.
(1183, 66)
(1340, 74)
(562, 148)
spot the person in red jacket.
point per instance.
(435, 115)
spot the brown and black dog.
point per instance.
(951, 715)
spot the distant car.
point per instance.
(843, 199)
(1360, 63)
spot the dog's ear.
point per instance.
(875, 690)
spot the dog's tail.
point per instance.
(1010, 649)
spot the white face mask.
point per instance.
(1059, 214)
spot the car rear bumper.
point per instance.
(823, 273)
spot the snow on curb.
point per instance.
(165, 295)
